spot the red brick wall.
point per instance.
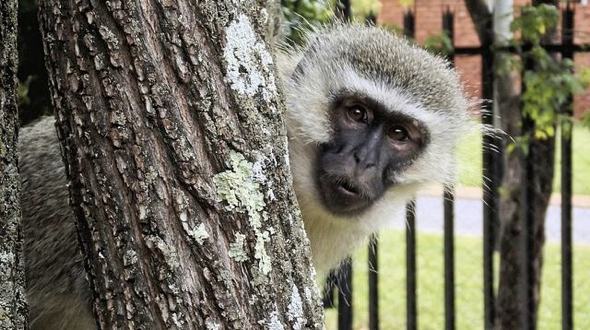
(428, 15)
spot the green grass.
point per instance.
(468, 272)
(469, 154)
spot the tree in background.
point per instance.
(13, 307)
(547, 84)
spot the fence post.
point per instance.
(373, 283)
(411, 299)
(567, 320)
(373, 257)
(449, 204)
(490, 214)
(345, 295)
(342, 10)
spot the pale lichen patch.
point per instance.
(260, 252)
(249, 63)
(241, 190)
(274, 323)
(236, 248)
(212, 325)
(130, 258)
(168, 250)
(199, 233)
(295, 309)
(7, 257)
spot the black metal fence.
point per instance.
(491, 167)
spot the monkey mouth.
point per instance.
(346, 188)
(342, 196)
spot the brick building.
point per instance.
(428, 22)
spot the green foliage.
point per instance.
(406, 3)
(535, 22)
(395, 29)
(586, 120)
(439, 44)
(22, 91)
(301, 15)
(549, 81)
(361, 9)
(584, 77)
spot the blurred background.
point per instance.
(511, 241)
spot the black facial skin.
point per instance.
(369, 144)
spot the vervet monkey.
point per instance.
(371, 118)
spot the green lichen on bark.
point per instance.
(236, 248)
(241, 189)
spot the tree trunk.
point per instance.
(541, 154)
(170, 119)
(13, 307)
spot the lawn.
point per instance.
(469, 299)
(469, 154)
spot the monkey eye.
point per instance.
(398, 133)
(358, 114)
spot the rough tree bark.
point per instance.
(13, 307)
(509, 303)
(170, 118)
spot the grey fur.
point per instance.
(57, 290)
(368, 60)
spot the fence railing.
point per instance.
(492, 154)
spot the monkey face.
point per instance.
(370, 145)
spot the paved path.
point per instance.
(469, 219)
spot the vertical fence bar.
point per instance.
(343, 11)
(449, 204)
(528, 218)
(567, 320)
(449, 242)
(345, 296)
(409, 26)
(373, 284)
(373, 257)
(411, 299)
(490, 175)
(345, 315)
